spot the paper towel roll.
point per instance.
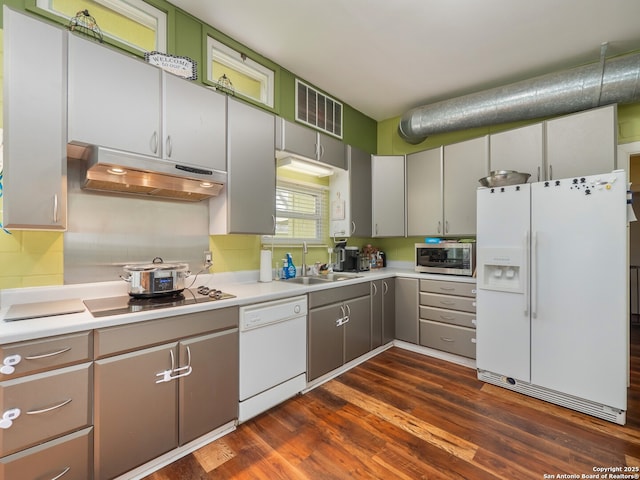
(265, 266)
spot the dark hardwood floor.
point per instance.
(402, 415)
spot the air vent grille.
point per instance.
(318, 110)
(558, 398)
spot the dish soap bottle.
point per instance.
(291, 268)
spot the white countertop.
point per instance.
(244, 285)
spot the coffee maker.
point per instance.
(340, 251)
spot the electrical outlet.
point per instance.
(208, 258)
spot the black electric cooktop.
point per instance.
(104, 307)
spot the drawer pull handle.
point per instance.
(64, 472)
(446, 317)
(47, 355)
(447, 339)
(45, 410)
(447, 288)
(447, 303)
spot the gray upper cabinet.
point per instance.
(441, 188)
(584, 143)
(248, 202)
(464, 164)
(123, 103)
(424, 192)
(331, 151)
(388, 194)
(35, 106)
(360, 194)
(195, 124)
(114, 99)
(351, 196)
(303, 141)
(520, 149)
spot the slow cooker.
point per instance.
(155, 279)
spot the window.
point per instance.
(318, 110)
(300, 212)
(246, 77)
(131, 22)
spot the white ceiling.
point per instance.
(384, 57)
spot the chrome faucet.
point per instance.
(303, 267)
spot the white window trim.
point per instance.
(226, 55)
(131, 9)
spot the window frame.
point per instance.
(322, 193)
(126, 8)
(228, 56)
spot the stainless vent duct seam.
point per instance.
(557, 93)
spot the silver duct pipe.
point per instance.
(615, 81)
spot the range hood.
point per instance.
(123, 172)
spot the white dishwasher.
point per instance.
(273, 354)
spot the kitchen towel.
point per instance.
(265, 266)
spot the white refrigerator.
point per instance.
(552, 291)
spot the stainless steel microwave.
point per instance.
(452, 258)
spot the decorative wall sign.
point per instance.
(181, 66)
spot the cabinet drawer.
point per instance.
(47, 354)
(448, 288)
(50, 404)
(125, 338)
(66, 458)
(450, 302)
(453, 317)
(338, 294)
(448, 338)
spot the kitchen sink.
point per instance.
(317, 279)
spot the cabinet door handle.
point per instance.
(385, 287)
(375, 289)
(538, 173)
(46, 355)
(60, 475)
(55, 208)
(183, 371)
(446, 226)
(154, 142)
(348, 311)
(439, 225)
(550, 172)
(447, 339)
(169, 145)
(49, 409)
(353, 227)
(342, 320)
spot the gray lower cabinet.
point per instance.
(150, 399)
(407, 290)
(35, 110)
(447, 316)
(67, 458)
(383, 315)
(248, 202)
(339, 328)
(47, 399)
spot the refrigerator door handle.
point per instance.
(534, 275)
(525, 285)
